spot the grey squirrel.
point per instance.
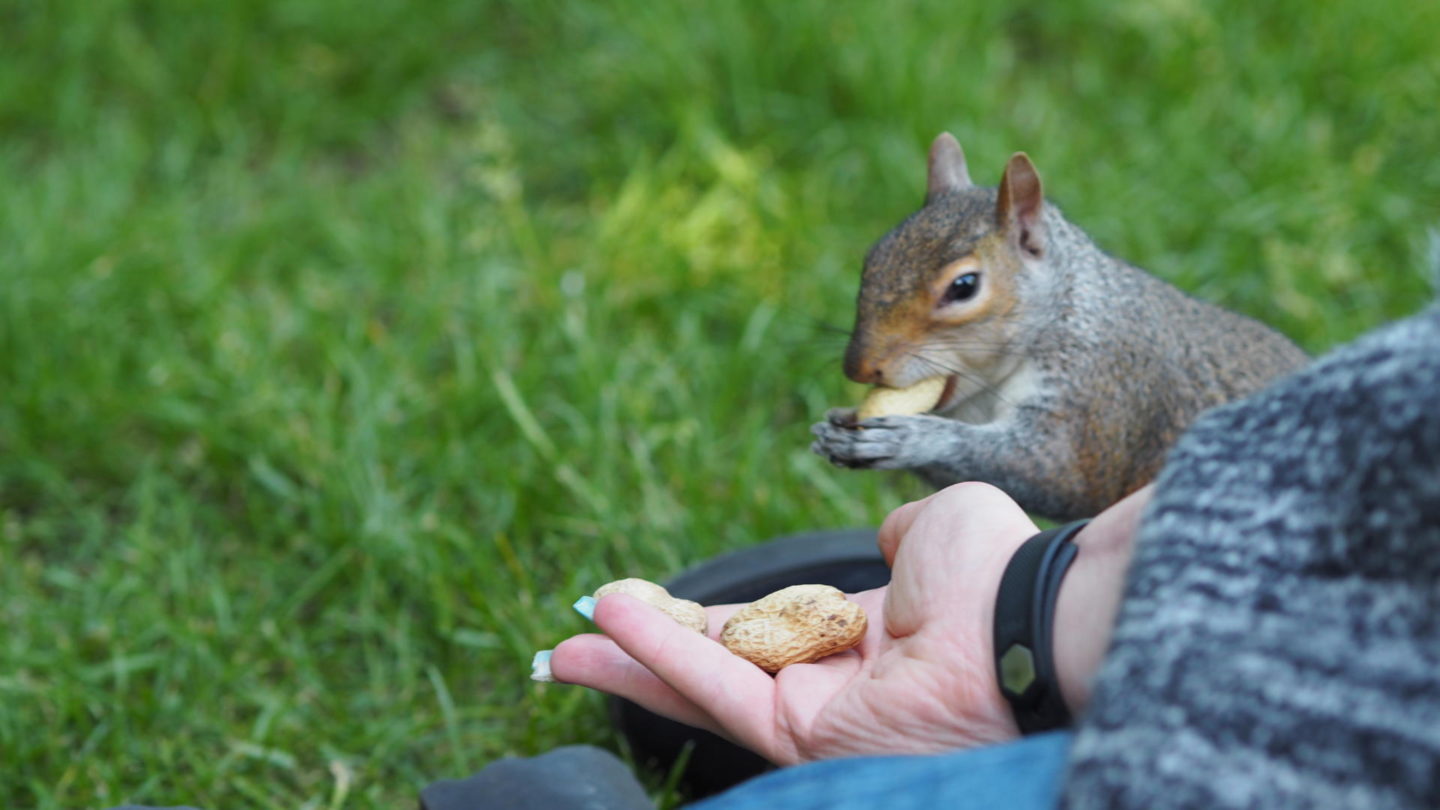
(1068, 373)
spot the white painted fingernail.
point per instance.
(540, 667)
(585, 606)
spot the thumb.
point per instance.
(952, 556)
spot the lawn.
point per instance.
(342, 347)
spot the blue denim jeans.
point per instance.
(1023, 775)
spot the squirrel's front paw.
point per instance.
(881, 443)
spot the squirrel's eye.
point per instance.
(963, 287)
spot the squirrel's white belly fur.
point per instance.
(990, 402)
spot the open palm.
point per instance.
(921, 681)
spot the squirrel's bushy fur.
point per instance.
(1071, 372)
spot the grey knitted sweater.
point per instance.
(1279, 641)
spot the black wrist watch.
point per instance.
(1024, 628)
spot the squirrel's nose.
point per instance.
(861, 368)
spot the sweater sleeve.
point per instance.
(1279, 640)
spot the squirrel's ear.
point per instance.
(1021, 201)
(947, 168)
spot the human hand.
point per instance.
(921, 681)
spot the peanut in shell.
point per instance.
(795, 625)
(684, 611)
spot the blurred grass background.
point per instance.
(342, 347)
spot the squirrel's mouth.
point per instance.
(948, 398)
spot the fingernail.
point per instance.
(540, 667)
(585, 606)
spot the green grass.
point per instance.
(341, 349)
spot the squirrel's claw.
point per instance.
(841, 442)
(884, 442)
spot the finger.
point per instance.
(737, 694)
(896, 525)
(716, 616)
(598, 662)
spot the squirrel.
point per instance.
(1068, 373)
